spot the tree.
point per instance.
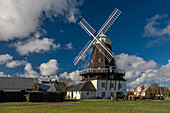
(65, 84)
(35, 86)
(155, 89)
(166, 94)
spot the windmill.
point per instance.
(96, 42)
(102, 78)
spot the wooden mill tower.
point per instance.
(107, 79)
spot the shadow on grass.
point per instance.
(72, 100)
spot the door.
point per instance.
(71, 94)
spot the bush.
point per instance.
(166, 94)
(27, 96)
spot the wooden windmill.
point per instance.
(102, 78)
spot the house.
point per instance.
(48, 91)
(142, 91)
(13, 89)
(137, 91)
(146, 93)
(84, 90)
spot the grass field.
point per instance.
(91, 106)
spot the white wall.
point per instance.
(76, 94)
(82, 94)
(98, 85)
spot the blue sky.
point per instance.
(43, 37)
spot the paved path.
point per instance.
(48, 104)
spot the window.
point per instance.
(103, 94)
(111, 85)
(120, 85)
(87, 93)
(99, 60)
(103, 85)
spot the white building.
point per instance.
(103, 74)
(84, 90)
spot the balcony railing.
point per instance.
(101, 70)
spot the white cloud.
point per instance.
(5, 58)
(50, 68)
(146, 78)
(48, 78)
(29, 72)
(141, 72)
(15, 63)
(69, 46)
(154, 29)
(20, 18)
(35, 45)
(75, 76)
(165, 71)
(133, 65)
(2, 74)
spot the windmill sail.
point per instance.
(105, 50)
(114, 15)
(83, 51)
(85, 25)
(91, 31)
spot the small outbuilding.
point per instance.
(84, 90)
(47, 92)
(13, 89)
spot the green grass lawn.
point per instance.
(91, 106)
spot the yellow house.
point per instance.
(146, 92)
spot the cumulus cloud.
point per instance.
(15, 63)
(5, 58)
(69, 46)
(29, 72)
(74, 76)
(50, 68)
(35, 45)
(48, 78)
(133, 65)
(154, 29)
(2, 74)
(141, 72)
(20, 18)
(165, 71)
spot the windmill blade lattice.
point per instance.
(114, 15)
(104, 50)
(96, 42)
(85, 25)
(83, 51)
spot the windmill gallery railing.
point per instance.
(101, 70)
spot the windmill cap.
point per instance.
(105, 39)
